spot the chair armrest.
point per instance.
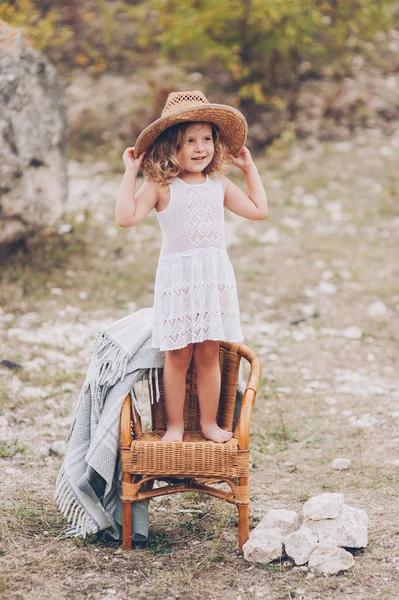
(126, 423)
(243, 425)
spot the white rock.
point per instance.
(330, 559)
(330, 400)
(309, 200)
(300, 544)
(292, 223)
(319, 264)
(341, 464)
(111, 232)
(3, 421)
(349, 530)
(377, 309)
(285, 520)
(58, 448)
(56, 291)
(323, 506)
(327, 275)
(64, 228)
(363, 422)
(325, 287)
(352, 333)
(264, 546)
(32, 392)
(271, 236)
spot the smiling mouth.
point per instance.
(199, 158)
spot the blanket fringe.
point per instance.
(81, 524)
(112, 361)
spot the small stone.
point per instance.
(323, 506)
(325, 287)
(363, 422)
(271, 236)
(64, 228)
(58, 448)
(264, 546)
(32, 392)
(300, 544)
(341, 464)
(327, 275)
(330, 400)
(111, 232)
(377, 310)
(285, 520)
(56, 291)
(309, 200)
(292, 223)
(352, 333)
(348, 530)
(330, 560)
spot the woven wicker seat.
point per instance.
(194, 464)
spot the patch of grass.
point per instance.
(160, 542)
(25, 512)
(8, 450)
(29, 517)
(282, 433)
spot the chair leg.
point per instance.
(127, 524)
(243, 525)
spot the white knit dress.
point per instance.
(195, 295)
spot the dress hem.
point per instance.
(211, 339)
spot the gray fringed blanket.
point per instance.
(88, 485)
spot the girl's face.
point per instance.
(197, 150)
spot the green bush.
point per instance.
(259, 44)
(248, 47)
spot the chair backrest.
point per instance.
(229, 361)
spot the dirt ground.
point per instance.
(319, 295)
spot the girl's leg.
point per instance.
(206, 357)
(174, 382)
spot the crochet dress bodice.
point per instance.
(195, 295)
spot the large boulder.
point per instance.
(33, 139)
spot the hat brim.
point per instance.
(231, 123)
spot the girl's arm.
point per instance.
(251, 206)
(131, 208)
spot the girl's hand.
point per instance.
(131, 163)
(243, 161)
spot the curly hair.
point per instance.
(161, 162)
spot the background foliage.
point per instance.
(259, 45)
(251, 46)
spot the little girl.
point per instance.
(184, 156)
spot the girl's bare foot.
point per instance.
(213, 432)
(174, 433)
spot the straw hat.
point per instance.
(193, 106)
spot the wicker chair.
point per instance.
(194, 464)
